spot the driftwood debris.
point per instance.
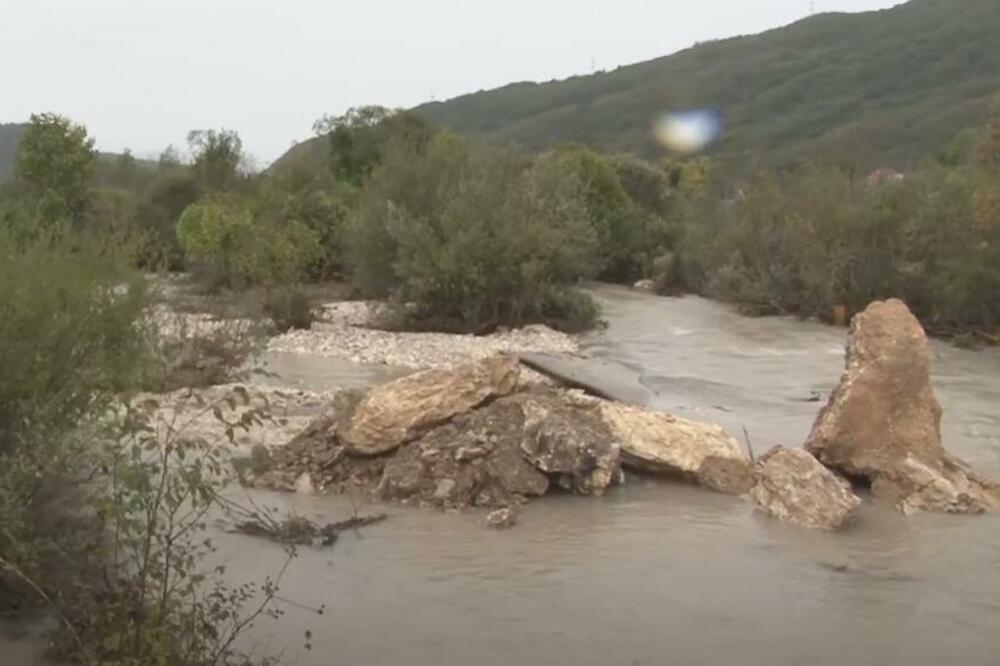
(294, 529)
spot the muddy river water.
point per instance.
(659, 572)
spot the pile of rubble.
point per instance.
(473, 435)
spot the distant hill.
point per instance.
(879, 88)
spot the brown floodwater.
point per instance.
(658, 572)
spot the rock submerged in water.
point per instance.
(487, 445)
(398, 412)
(514, 447)
(438, 469)
(658, 442)
(501, 519)
(791, 485)
(883, 421)
(571, 443)
(462, 437)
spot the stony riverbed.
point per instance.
(348, 330)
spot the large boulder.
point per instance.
(883, 422)
(393, 414)
(505, 451)
(655, 441)
(950, 487)
(790, 484)
(569, 443)
(474, 460)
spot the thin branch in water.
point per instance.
(746, 436)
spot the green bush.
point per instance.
(104, 504)
(471, 238)
(237, 248)
(71, 340)
(317, 203)
(70, 320)
(629, 233)
(289, 309)
(804, 241)
(158, 208)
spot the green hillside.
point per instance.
(877, 89)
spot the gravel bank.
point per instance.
(189, 413)
(343, 331)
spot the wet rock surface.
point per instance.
(603, 379)
(883, 421)
(502, 518)
(950, 487)
(473, 461)
(725, 475)
(659, 442)
(395, 413)
(568, 441)
(471, 436)
(791, 485)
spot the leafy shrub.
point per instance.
(197, 352)
(810, 239)
(666, 274)
(289, 309)
(55, 163)
(104, 505)
(237, 248)
(471, 238)
(71, 340)
(315, 202)
(159, 206)
(70, 314)
(627, 234)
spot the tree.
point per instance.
(238, 248)
(218, 158)
(358, 138)
(55, 163)
(169, 158)
(618, 223)
(988, 194)
(125, 168)
(472, 238)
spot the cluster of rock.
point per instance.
(473, 435)
(882, 424)
(881, 428)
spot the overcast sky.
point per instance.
(141, 73)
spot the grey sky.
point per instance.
(141, 73)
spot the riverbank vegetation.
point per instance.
(104, 506)
(805, 240)
(463, 236)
